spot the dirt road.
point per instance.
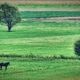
(41, 1)
(54, 19)
(48, 9)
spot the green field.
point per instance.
(32, 44)
(48, 14)
(22, 69)
(40, 38)
(57, 6)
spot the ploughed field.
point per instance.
(41, 1)
(40, 36)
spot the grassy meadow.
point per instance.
(53, 6)
(41, 39)
(41, 70)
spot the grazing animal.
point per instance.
(6, 64)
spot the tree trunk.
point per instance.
(9, 27)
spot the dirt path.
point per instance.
(48, 9)
(41, 1)
(55, 19)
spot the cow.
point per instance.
(5, 64)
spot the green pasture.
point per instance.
(40, 38)
(49, 14)
(21, 69)
(57, 6)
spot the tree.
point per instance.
(9, 15)
(77, 48)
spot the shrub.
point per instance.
(77, 48)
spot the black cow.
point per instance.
(5, 64)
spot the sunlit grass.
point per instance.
(40, 38)
(21, 69)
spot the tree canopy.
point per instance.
(9, 15)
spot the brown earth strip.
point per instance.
(48, 9)
(55, 19)
(41, 1)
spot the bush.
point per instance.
(77, 48)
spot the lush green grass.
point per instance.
(21, 69)
(62, 6)
(46, 14)
(40, 38)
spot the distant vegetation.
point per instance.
(77, 48)
(58, 6)
(47, 14)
